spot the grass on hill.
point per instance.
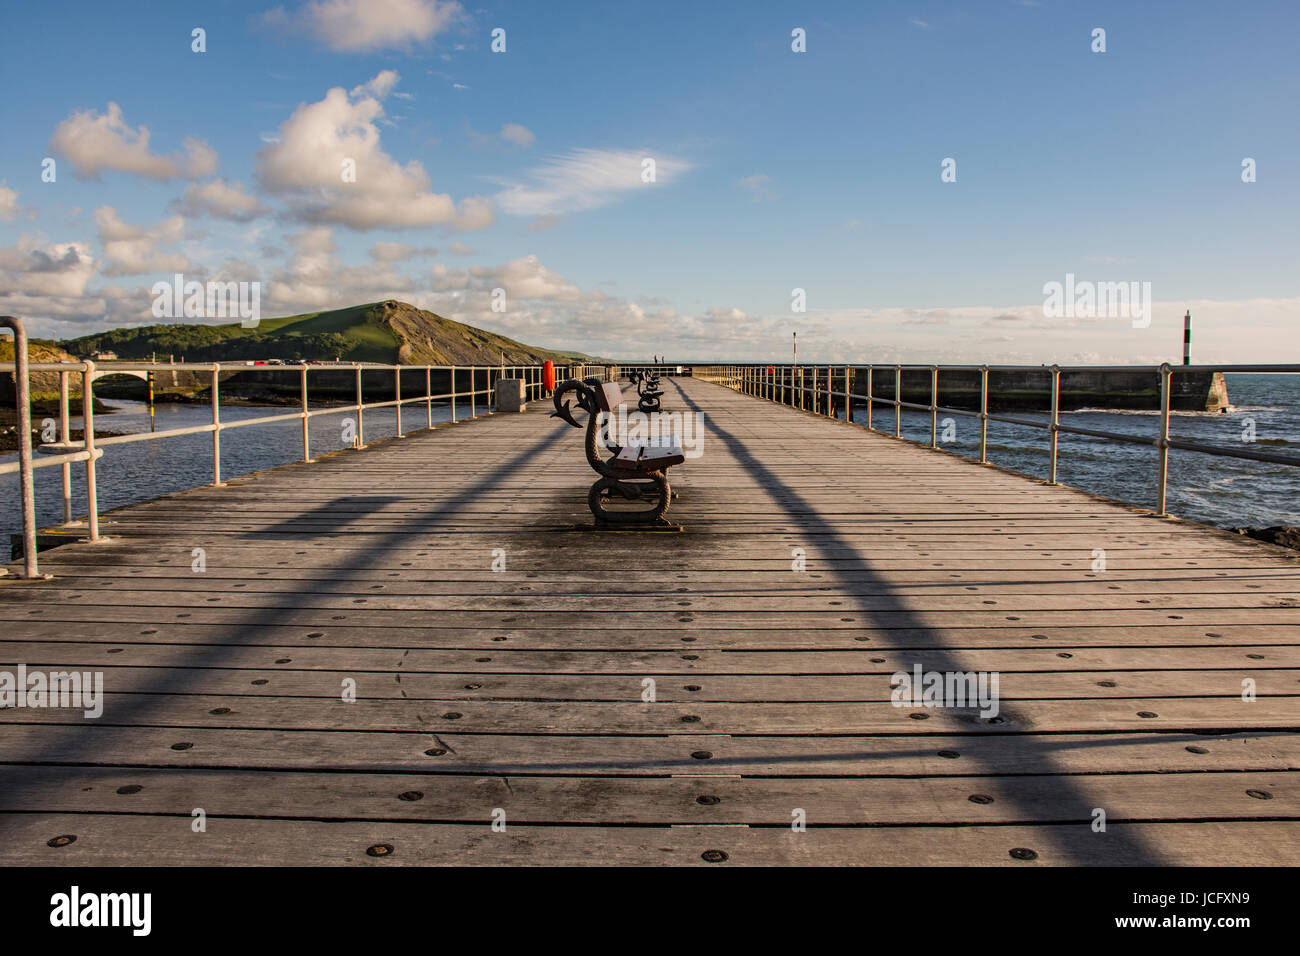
(391, 332)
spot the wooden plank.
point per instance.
(1090, 644)
(438, 751)
(662, 801)
(112, 840)
(694, 718)
(407, 684)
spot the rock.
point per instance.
(1283, 535)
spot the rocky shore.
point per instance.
(1286, 536)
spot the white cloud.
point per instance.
(32, 268)
(756, 185)
(399, 252)
(584, 179)
(8, 203)
(460, 249)
(307, 163)
(316, 278)
(527, 278)
(93, 142)
(221, 200)
(515, 133)
(378, 86)
(133, 250)
(355, 26)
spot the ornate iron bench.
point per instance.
(648, 390)
(636, 474)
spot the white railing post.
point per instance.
(397, 379)
(898, 401)
(216, 425)
(1056, 420)
(870, 394)
(88, 433)
(984, 415)
(934, 406)
(359, 440)
(26, 470)
(306, 419)
(1162, 444)
(65, 436)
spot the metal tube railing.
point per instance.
(66, 452)
(794, 393)
(23, 397)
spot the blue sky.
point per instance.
(776, 170)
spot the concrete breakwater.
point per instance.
(1031, 389)
(1018, 390)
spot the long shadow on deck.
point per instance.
(1128, 848)
(74, 744)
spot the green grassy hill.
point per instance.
(391, 332)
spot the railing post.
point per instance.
(870, 393)
(397, 378)
(360, 440)
(1056, 419)
(1163, 444)
(898, 401)
(814, 390)
(65, 436)
(428, 396)
(934, 406)
(88, 433)
(216, 424)
(473, 391)
(848, 397)
(306, 421)
(26, 472)
(984, 414)
(453, 393)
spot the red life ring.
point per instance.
(548, 375)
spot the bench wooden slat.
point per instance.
(645, 458)
(609, 396)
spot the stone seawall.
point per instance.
(1031, 389)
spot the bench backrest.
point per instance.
(609, 396)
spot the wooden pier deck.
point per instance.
(520, 691)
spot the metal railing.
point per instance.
(468, 383)
(811, 388)
(662, 370)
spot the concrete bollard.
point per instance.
(510, 395)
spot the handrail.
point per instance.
(24, 410)
(65, 452)
(787, 385)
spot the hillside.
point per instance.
(391, 332)
(44, 385)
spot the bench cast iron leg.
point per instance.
(653, 487)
